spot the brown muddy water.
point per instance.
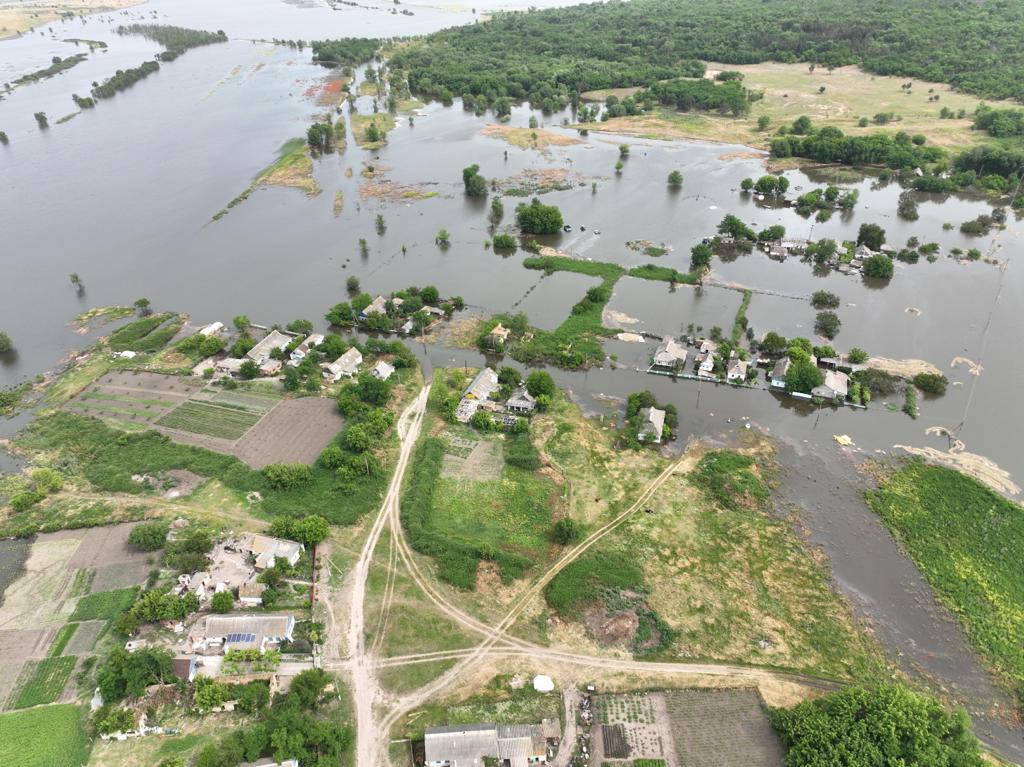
(124, 195)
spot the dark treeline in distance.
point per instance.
(176, 40)
(547, 56)
(57, 65)
(345, 52)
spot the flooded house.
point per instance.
(670, 355)
(736, 372)
(382, 370)
(652, 425)
(777, 378)
(299, 352)
(835, 386)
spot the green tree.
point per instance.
(308, 687)
(5, 343)
(352, 284)
(675, 179)
(241, 323)
(747, 184)
(222, 602)
(287, 476)
(475, 184)
(700, 257)
(149, 536)
(762, 122)
(773, 344)
(443, 238)
(537, 218)
(879, 266)
(497, 210)
(568, 531)
(248, 370)
(857, 356)
(803, 376)
(827, 324)
(871, 235)
(886, 725)
(931, 383)
(504, 242)
(540, 383)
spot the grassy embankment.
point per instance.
(293, 169)
(576, 343)
(528, 138)
(720, 577)
(360, 123)
(792, 90)
(968, 542)
(53, 69)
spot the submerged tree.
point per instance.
(675, 179)
(5, 343)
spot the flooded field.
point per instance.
(125, 195)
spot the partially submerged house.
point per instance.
(213, 329)
(652, 425)
(778, 375)
(379, 305)
(275, 339)
(242, 632)
(736, 372)
(835, 386)
(468, 745)
(670, 355)
(346, 366)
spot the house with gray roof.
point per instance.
(835, 386)
(275, 339)
(467, 745)
(670, 355)
(652, 425)
(778, 376)
(346, 366)
(483, 385)
(521, 401)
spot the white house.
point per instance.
(835, 386)
(347, 365)
(213, 329)
(266, 550)
(275, 339)
(652, 425)
(382, 370)
(299, 352)
(778, 377)
(737, 371)
(669, 355)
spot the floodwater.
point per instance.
(124, 195)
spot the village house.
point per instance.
(652, 425)
(670, 355)
(499, 336)
(347, 365)
(221, 633)
(468, 745)
(379, 305)
(266, 550)
(270, 367)
(228, 366)
(737, 370)
(834, 387)
(382, 370)
(184, 667)
(275, 339)
(480, 389)
(299, 352)
(778, 375)
(521, 401)
(251, 594)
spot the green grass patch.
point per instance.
(103, 409)
(739, 325)
(580, 584)
(65, 514)
(46, 681)
(224, 421)
(148, 334)
(61, 639)
(124, 398)
(104, 605)
(650, 763)
(729, 479)
(52, 736)
(968, 542)
(663, 274)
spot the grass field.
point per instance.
(148, 334)
(293, 168)
(360, 123)
(52, 736)
(104, 605)
(210, 419)
(968, 542)
(792, 90)
(44, 681)
(61, 639)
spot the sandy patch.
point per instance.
(630, 337)
(540, 181)
(903, 368)
(528, 138)
(974, 368)
(21, 16)
(727, 156)
(614, 319)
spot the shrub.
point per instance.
(567, 531)
(879, 267)
(222, 602)
(537, 218)
(822, 299)
(827, 324)
(857, 356)
(149, 536)
(504, 242)
(931, 383)
(287, 476)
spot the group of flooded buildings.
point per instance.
(671, 357)
(780, 250)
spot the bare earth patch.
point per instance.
(16, 17)
(529, 138)
(902, 368)
(295, 430)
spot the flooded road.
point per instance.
(124, 195)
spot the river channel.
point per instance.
(124, 195)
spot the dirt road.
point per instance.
(365, 687)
